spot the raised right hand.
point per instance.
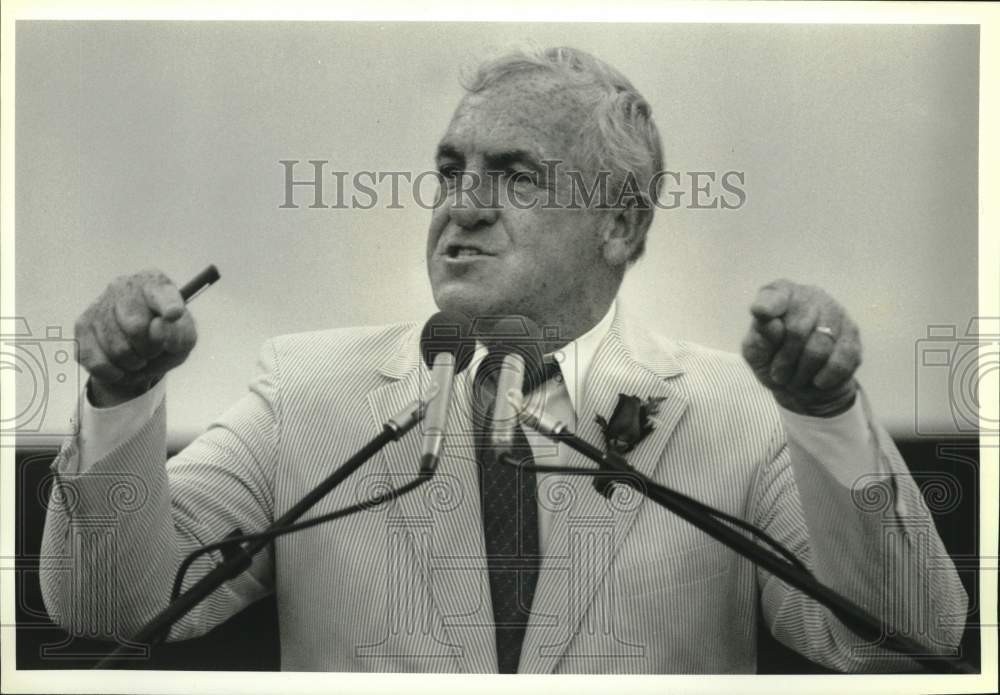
(136, 331)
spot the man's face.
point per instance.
(495, 249)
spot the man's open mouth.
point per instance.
(460, 251)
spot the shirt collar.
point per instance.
(574, 358)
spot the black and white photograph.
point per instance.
(403, 348)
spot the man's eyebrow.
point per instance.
(495, 161)
(445, 151)
(505, 158)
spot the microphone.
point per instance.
(517, 350)
(510, 383)
(446, 350)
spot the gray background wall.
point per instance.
(157, 144)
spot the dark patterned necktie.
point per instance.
(508, 496)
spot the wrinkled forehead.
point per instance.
(536, 113)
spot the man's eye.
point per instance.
(523, 176)
(449, 171)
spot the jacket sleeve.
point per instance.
(116, 534)
(874, 542)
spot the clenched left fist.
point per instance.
(804, 347)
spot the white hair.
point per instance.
(620, 135)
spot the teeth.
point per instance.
(467, 252)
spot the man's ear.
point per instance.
(625, 235)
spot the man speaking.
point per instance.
(497, 569)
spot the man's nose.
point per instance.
(473, 203)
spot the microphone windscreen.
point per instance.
(514, 335)
(447, 332)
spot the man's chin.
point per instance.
(474, 305)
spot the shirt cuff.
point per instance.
(103, 429)
(842, 443)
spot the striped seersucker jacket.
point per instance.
(625, 586)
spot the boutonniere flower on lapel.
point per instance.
(629, 424)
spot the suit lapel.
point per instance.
(440, 522)
(586, 534)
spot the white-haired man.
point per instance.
(607, 584)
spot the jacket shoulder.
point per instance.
(711, 366)
(718, 384)
(339, 350)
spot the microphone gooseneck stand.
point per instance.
(241, 557)
(444, 347)
(614, 469)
